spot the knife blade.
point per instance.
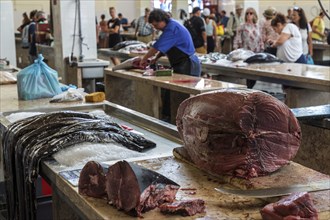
(277, 191)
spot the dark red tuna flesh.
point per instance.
(295, 206)
(135, 189)
(244, 133)
(92, 180)
(184, 208)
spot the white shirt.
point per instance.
(304, 38)
(291, 49)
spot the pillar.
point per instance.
(66, 36)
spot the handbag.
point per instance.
(309, 59)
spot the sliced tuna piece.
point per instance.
(135, 189)
(184, 208)
(295, 206)
(92, 180)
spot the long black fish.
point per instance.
(28, 141)
(263, 58)
(125, 44)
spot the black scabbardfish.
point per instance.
(28, 141)
(263, 58)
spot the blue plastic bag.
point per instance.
(37, 81)
(310, 59)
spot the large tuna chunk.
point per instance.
(242, 133)
(135, 189)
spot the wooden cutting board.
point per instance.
(291, 174)
(197, 184)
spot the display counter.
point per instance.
(143, 93)
(304, 85)
(321, 51)
(69, 204)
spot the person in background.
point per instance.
(249, 37)
(289, 15)
(224, 18)
(144, 31)
(103, 34)
(267, 31)
(299, 19)
(113, 27)
(289, 45)
(211, 31)
(235, 20)
(200, 43)
(318, 28)
(217, 15)
(175, 42)
(248, 33)
(26, 21)
(24, 29)
(32, 38)
(123, 22)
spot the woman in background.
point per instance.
(299, 19)
(248, 34)
(103, 35)
(318, 27)
(26, 20)
(289, 45)
(210, 29)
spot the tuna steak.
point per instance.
(135, 189)
(243, 133)
(184, 208)
(92, 180)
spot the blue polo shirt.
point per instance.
(175, 35)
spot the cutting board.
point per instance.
(195, 183)
(288, 175)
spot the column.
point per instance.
(66, 31)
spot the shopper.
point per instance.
(113, 30)
(267, 31)
(103, 34)
(26, 21)
(32, 36)
(289, 45)
(175, 42)
(248, 33)
(144, 31)
(211, 31)
(299, 19)
(235, 20)
(224, 19)
(123, 22)
(318, 28)
(198, 31)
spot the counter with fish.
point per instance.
(183, 186)
(304, 85)
(143, 93)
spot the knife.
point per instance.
(278, 191)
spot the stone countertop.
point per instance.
(292, 74)
(177, 82)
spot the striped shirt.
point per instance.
(144, 28)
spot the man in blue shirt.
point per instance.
(175, 42)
